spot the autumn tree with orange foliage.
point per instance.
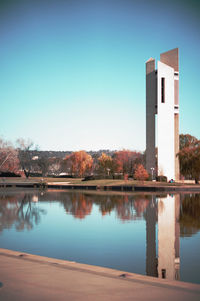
(106, 164)
(140, 173)
(125, 160)
(79, 163)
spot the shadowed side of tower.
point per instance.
(151, 102)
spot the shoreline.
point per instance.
(143, 187)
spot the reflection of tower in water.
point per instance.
(168, 237)
(151, 219)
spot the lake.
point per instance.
(149, 234)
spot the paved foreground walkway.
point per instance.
(29, 277)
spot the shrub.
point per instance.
(9, 174)
(161, 179)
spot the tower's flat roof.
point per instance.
(150, 59)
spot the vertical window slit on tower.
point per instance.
(162, 89)
(163, 273)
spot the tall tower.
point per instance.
(162, 114)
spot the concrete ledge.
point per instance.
(30, 277)
(126, 188)
(21, 184)
(170, 188)
(102, 271)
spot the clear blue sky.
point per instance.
(72, 73)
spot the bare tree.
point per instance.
(43, 164)
(55, 165)
(25, 155)
(8, 157)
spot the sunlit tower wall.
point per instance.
(162, 100)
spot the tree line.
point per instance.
(25, 159)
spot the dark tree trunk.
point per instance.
(26, 173)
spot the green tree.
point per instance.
(186, 140)
(189, 157)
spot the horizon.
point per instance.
(87, 151)
(73, 72)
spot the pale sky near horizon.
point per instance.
(72, 72)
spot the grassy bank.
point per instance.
(78, 181)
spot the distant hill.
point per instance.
(63, 154)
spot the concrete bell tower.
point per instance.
(162, 114)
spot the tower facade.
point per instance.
(162, 115)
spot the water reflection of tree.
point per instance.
(29, 214)
(121, 204)
(190, 215)
(78, 205)
(127, 207)
(132, 207)
(19, 210)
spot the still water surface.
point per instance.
(155, 235)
